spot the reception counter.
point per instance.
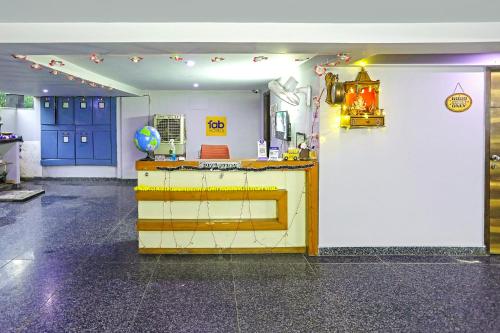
(245, 206)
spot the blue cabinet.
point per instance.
(66, 144)
(101, 111)
(102, 145)
(83, 110)
(65, 111)
(49, 144)
(84, 143)
(47, 111)
(78, 131)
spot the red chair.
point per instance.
(214, 152)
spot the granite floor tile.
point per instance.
(268, 258)
(344, 260)
(486, 259)
(97, 298)
(26, 285)
(417, 259)
(188, 298)
(195, 259)
(453, 297)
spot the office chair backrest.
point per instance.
(216, 152)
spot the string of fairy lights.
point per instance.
(181, 247)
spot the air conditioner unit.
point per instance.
(170, 127)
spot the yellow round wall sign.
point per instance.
(458, 102)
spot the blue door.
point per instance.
(83, 110)
(65, 111)
(101, 111)
(49, 144)
(84, 144)
(47, 111)
(102, 145)
(66, 144)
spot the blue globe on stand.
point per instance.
(147, 139)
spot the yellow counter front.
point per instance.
(243, 206)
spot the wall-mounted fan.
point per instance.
(288, 92)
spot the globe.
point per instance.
(147, 139)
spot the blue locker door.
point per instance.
(66, 144)
(49, 144)
(83, 144)
(83, 110)
(101, 111)
(102, 145)
(47, 111)
(65, 111)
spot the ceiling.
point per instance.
(159, 72)
(296, 11)
(238, 71)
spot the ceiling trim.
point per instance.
(249, 32)
(82, 73)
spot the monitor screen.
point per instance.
(282, 126)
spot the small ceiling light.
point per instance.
(36, 66)
(71, 77)
(58, 63)
(45, 91)
(111, 88)
(83, 81)
(176, 58)
(217, 59)
(95, 58)
(136, 59)
(54, 72)
(196, 85)
(259, 58)
(19, 56)
(190, 63)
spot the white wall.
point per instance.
(417, 182)
(241, 108)
(9, 119)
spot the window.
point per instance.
(28, 101)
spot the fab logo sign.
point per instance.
(216, 126)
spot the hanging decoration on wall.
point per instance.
(319, 70)
(458, 102)
(360, 106)
(217, 59)
(359, 100)
(54, 72)
(57, 63)
(260, 58)
(96, 58)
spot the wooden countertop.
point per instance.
(247, 163)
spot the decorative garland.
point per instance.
(279, 167)
(204, 189)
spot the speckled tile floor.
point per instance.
(69, 263)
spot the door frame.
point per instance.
(487, 129)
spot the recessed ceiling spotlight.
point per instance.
(196, 85)
(190, 63)
(45, 91)
(111, 88)
(19, 56)
(136, 59)
(36, 67)
(54, 72)
(83, 81)
(95, 58)
(71, 77)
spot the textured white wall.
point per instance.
(417, 182)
